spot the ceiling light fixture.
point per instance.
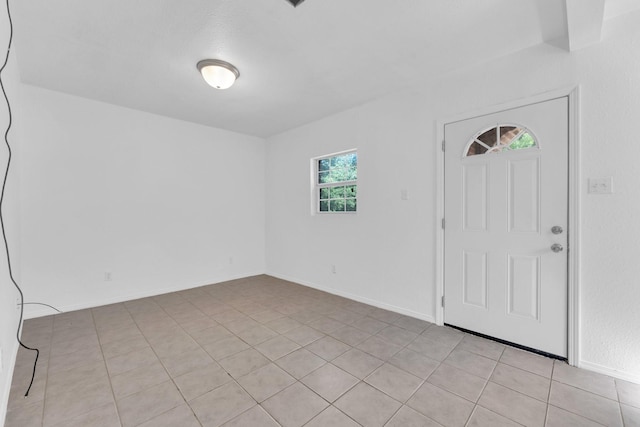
(295, 2)
(217, 73)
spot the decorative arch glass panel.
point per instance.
(501, 138)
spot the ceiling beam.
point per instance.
(584, 22)
(614, 8)
(552, 16)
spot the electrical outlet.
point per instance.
(18, 303)
(333, 269)
(230, 260)
(107, 276)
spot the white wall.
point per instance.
(386, 253)
(9, 315)
(159, 203)
(381, 253)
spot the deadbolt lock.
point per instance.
(556, 229)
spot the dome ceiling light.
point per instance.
(295, 2)
(217, 73)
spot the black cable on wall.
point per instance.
(4, 184)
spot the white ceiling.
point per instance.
(296, 64)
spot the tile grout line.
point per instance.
(387, 361)
(216, 361)
(581, 389)
(583, 415)
(296, 380)
(104, 361)
(46, 380)
(615, 383)
(546, 415)
(488, 380)
(161, 363)
(330, 404)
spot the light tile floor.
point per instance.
(264, 352)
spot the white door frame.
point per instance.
(573, 250)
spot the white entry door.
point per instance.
(506, 213)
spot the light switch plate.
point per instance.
(601, 185)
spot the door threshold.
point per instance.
(509, 343)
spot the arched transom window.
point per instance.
(501, 138)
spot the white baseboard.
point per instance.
(45, 311)
(622, 375)
(31, 313)
(358, 298)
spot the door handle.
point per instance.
(556, 247)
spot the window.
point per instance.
(336, 182)
(500, 138)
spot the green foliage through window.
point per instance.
(336, 178)
(524, 141)
(338, 168)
